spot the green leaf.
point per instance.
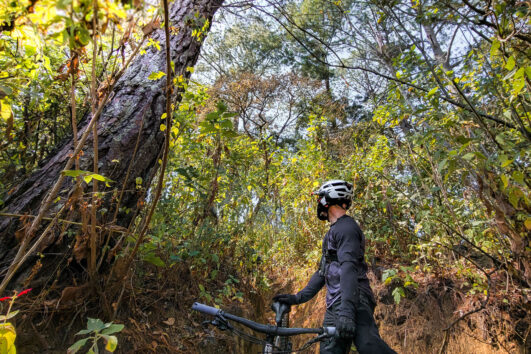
(514, 196)
(494, 47)
(9, 316)
(87, 179)
(510, 63)
(84, 36)
(443, 164)
(432, 91)
(388, 275)
(5, 91)
(518, 177)
(518, 82)
(95, 324)
(506, 163)
(398, 294)
(227, 124)
(74, 173)
(77, 345)
(84, 331)
(156, 75)
(112, 343)
(101, 178)
(505, 181)
(469, 156)
(155, 260)
(113, 328)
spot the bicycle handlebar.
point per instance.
(258, 327)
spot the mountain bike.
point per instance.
(277, 339)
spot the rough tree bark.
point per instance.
(136, 105)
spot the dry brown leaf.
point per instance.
(170, 321)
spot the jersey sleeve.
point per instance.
(315, 284)
(348, 239)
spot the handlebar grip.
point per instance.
(209, 310)
(331, 331)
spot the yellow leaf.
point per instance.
(5, 110)
(527, 223)
(162, 127)
(7, 338)
(112, 343)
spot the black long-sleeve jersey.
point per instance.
(343, 270)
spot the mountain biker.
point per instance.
(349, 299)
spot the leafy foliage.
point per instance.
(423, 105)
(97, 330)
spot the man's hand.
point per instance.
(286, 299)
(346, 327)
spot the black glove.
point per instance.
(286, 299)
(346, 327)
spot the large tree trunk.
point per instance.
(136, 105)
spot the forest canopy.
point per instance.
(142, 138)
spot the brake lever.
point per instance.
(221, 322)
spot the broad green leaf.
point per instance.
(83, 36)
(469, 156)
(5, 91)
(518, 84)
(398, 294)
(77, 345)
(113, 328)
(74, 173)
(155, 260)
(11, 315)
(387, 275)
(95, 324)
(494, 47)
(514, 196)
(87, 175)
(518, 177)
(506, 163)
(101, 178)
(510, 63)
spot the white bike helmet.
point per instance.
(333, 192)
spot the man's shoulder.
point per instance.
(347, 221)
(346, 225)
